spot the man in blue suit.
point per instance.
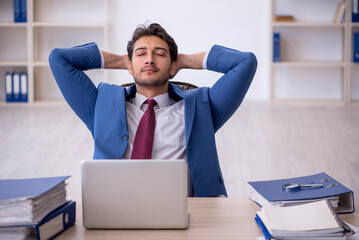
(186, 121)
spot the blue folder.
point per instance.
(355, 11)
(276, 47)
(265, 231)
(32, 187)
(17, 11)
(356, 47)
(273, 192)
(53, 224)
(16, 87)
(9, 87)
(23, 10)
(23, 87)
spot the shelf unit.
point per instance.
(316, 54)
(50, 24)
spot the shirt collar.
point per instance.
(162, 100)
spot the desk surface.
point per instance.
(210, 218)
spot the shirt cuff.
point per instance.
(102, 59)
(204, 62)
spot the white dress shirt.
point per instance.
(169, 140)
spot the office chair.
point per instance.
(184, 85)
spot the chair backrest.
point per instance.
(184, 85)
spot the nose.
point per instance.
(150, 59)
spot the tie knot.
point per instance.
(151, 102)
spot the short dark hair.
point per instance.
(153, 29)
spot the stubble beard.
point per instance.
(152, 83)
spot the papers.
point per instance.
(315, 220)
(28, 201)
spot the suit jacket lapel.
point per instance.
(177, 93)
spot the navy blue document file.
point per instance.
(272, 193)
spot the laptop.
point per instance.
(134, 194)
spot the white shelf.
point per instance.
(309, 64)
(12, 24)
(309, 71)
(308, 24)
(43, 63)
(70, 24)
(13, 63)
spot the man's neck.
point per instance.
(151, 92)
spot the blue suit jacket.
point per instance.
(103, 108)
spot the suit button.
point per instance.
(125, 137)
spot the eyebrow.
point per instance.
(156, 48)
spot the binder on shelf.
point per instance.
(17, 11)
(355, 11)
(23, 11)
(356, 47)
(51, 226)
(271, 193)
(16, 87)
(276, 47)
(9, 87)
(23, 87)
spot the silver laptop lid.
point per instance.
(134, 193)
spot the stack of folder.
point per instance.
(316, 220)
(20, 11)
(271, 193)
(16, 87)
(34, 208)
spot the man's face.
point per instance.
(151, 62)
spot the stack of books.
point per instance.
(34, 208)
(283, 18)
(315, 220)
(271, 193)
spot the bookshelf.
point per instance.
(25, 47)
(316, 64)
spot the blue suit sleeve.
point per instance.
(228, 92)
(68, 66)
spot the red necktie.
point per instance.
(142, 146)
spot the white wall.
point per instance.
(196, 26)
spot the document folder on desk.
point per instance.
(34, 208)
(51, 226)
(267, 193)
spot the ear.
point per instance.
(130, 67)
(173, 69)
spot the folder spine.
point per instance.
(16, 87)
(23, 87)
(276, 47)
(9, 87)
(17, 11)
(56, 222)
(356, 47)
(23, 11)
(355, 11)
